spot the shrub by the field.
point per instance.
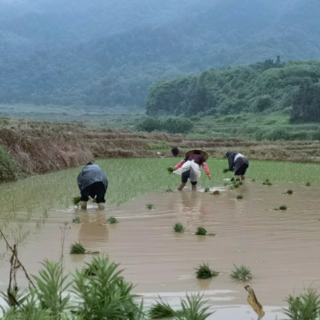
(7, 166)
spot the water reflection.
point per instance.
(93, 232)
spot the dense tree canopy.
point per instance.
(107, 53)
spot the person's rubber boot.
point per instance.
(101, 206)
(181, 186)
(83, 205)
(194, 187)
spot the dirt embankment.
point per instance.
(40, 147)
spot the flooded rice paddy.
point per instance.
(280, 247)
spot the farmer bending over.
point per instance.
(92, 182)
(237, 163)
(189, 168)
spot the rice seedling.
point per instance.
(289, 191)
(161, 310)
(241, 273)
(150, 206)
(170, 169)
(308, 184)
(267, 182)
(232, 187)
(253, 180)
(240, 183)
(225, 170)
(201, 231)
(76, 200)
(211, 234)
(232, 179)
(238, 179)
(236, 185)
(112, 220)
(204, 272)
(207, 189)
(178, 227)
(283, 207)
(239, 196)
(304, 307)
(76, 220)
(77, 248)
(169, 190)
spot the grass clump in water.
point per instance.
(304, 307)
(283, 207)
(204, 272)
(77, 248)
(241, 273)
(308, 184)
(76, 220)
(207, 189)
(112, 220)
(289, 191)
(239, 196)
(178, 227)
(150, 206)
(201, 231)
(169, 190)
(225, 170)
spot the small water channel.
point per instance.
(280, 247)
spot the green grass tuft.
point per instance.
(304, 307)
(112, 220)
(150, 206)
(77, 248)
(178, 227)
(308, 184)
(204, 272)
(289, 191)
(225, 170)
(283, 207)
(76, 200)
(201, 231)
(161, 310)
(239, 196)
(169, 190)
(170, 169)
(76, 220)
(241, 273)
(207, 189)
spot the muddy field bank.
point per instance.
(40, 147)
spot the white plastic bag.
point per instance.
(194, 168)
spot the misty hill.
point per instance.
(107, 53)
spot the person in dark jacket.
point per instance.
(237, 163)
(93, 183)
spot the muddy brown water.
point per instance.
(280, 247)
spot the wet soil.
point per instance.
(280, 247)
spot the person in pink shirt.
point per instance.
(189, 168)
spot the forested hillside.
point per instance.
(268, 86)
(107, 53)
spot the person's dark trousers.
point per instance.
(95, 189)
(185, 176)
(241, 166)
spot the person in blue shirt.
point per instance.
(93, 183)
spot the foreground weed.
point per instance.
(150, 206)
(204, 272)
(112, 220)
(241, 273)
(193, 308)
(289, 191)
(201, 231)
(76, 220)
(304, 307)
(106, 295)
(161, 310)
(239, 196)
(77, 248)
(283, 207)
(178, 227)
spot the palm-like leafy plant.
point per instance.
(161, 310)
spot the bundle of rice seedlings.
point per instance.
(76, 200)
(201, 231)
(241, 273)
(204, 272)
(178, 227)
(77, 248)
(112, 220)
